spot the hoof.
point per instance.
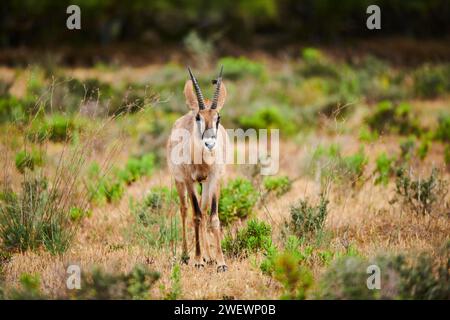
(222, 268)
(185, 258)
(209, 262)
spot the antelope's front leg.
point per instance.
(197, 224)
(215, 225)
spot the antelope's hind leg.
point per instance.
(181, 188)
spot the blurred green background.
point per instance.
(38, 22)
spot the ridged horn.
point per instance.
(198, 92)
(216, 93)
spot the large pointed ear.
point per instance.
(222, 96)
(191, 98)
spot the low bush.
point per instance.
(277, 185)
(268, 118)
(332, 166)
(443, 129)
(13, 109)
(432, 81)
(255, 236)
(237, 200)
(37, 216)
(137, 168)
(111, 187)
(77, 214)
(103, 188)
(29, 289)
(153, 227)
(100, 285)
(236, 68)
(175, 289)
(389, 118)
(56, 128)
(316, 64)
(28, 160)
(447, 156)
(420, 196)
(384, 168)
(307, 220)
(420, 278)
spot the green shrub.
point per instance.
(268, 118)
(77, 214)
(316, 64)
(30, 288)
(236, 68)
(28, 160)
(137, 168)
(255, 236)
(366, 135)
(56, 128)
(307, 220)
(447, 155)
(424, 147)
(443, 130)
(277, 185)
(13, 109)
(175, 278)
(384, 168)
(153, 227)
(418, 277)
(296, 279)
(36, 217)
(332, 166)
(106, 188)
(432, 81)
(407, 148)
(420, 196)
(389, 118)
(100, 285)
(237, 200)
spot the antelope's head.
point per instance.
(206, 112)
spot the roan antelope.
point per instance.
(205, 153)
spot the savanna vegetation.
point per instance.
(364, 157)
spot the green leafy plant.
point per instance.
(332, 166)
(389, 118)
(30, 288)
(28, 160)
(152, 225)
(278, 185)
(384, 168)
(175, 290)
(443, 129)
(237, 200)
(307, 220)
(420, 196)
(137, 168)
(268, 118)
(255, 236)
(35, 217)
(100, 285)
(431, 81)
(77, 214)
(236, 68)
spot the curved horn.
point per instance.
(216, 93)
(198, 92)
